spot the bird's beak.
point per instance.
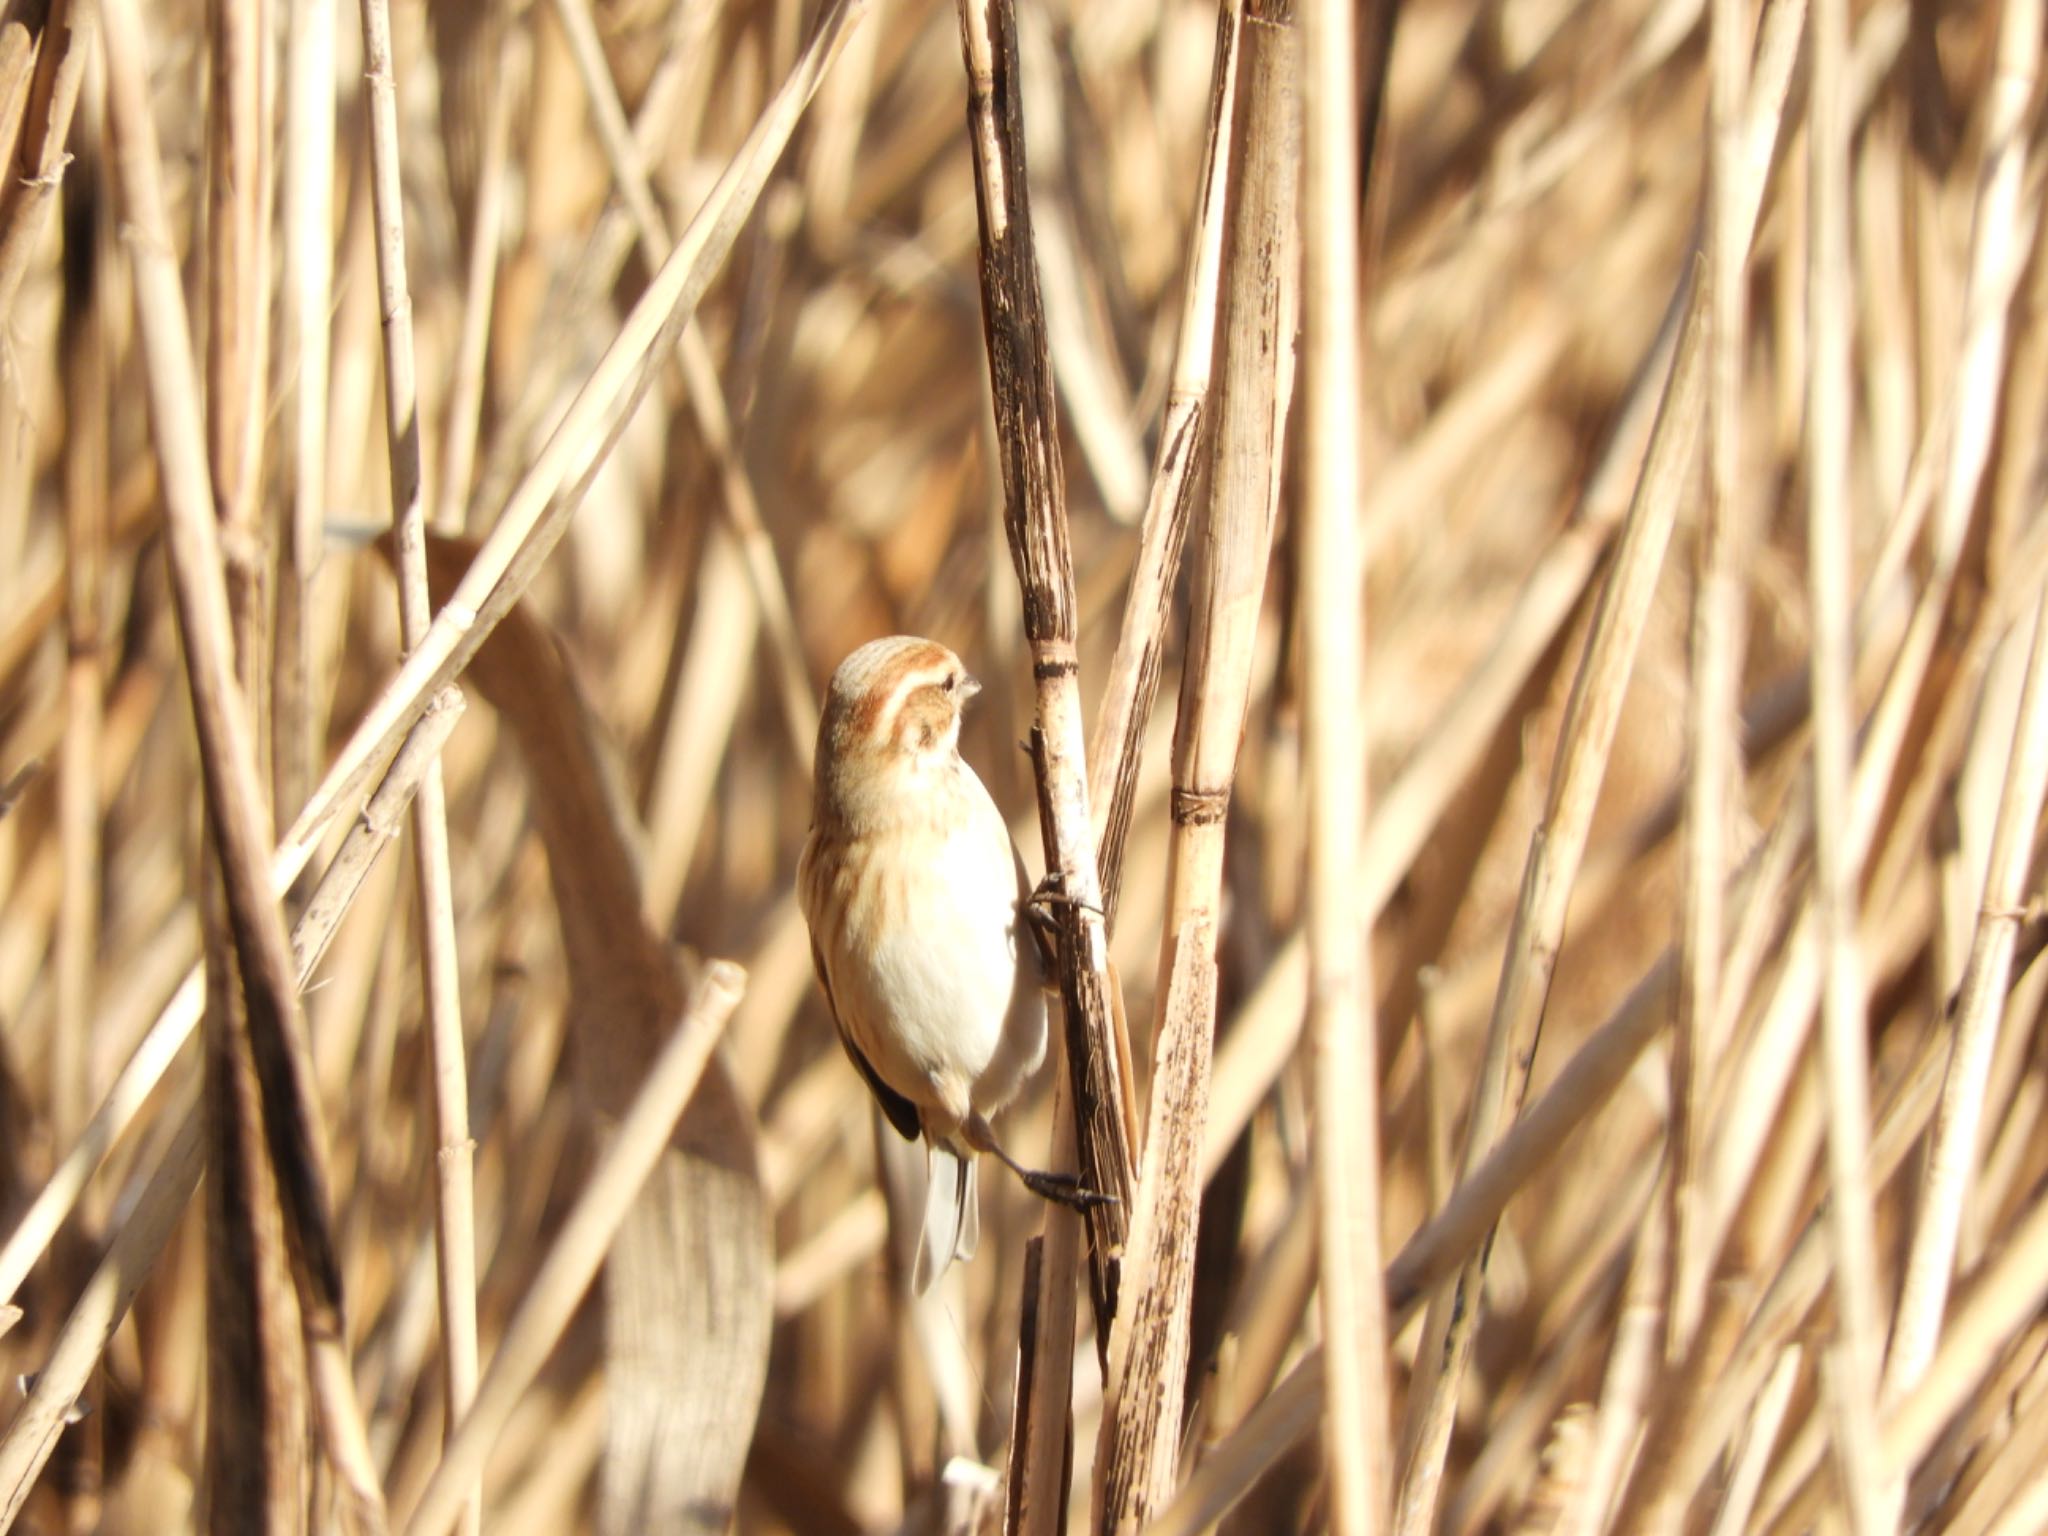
(969, 687)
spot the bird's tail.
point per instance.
(952, 1216)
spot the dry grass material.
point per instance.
(1546, 778)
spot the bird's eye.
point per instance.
(952, 681)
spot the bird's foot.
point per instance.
(1041, 907)
(1064, 1189)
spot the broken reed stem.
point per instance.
(1329, 577)
(1586, 735)
(1035, 519)
(580, 1245)
(1125, 713)
(31, 181)
(234, 793)
(308, 290)
(1855, 1359)
(440, 963)
(1714, 717)
(1953, 1146)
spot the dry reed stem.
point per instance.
(1041, 1437)
(235, 796)
(1035, 520)
(1716, 662)
(1042, 1432)
(1584, 742)
(35, 161)
(1132, 686)
(308, 288)
(1851, 1368)
(1137, 1458)
(580, 1245)
(454, 1153)
(1356, 1416)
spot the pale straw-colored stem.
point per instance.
(308, 294)
(1346, 1152)
(1717, 646)
(1854, 1361)
(454, 1152)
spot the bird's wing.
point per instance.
(901, 1112)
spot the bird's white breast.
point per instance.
(930, 983)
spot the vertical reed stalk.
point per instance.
(234, 793)
(1716, 667)
(308, 290)
(1853, 1362)
(1329, 574)
(1035, 518)
(454, 1152)
(1125, 712)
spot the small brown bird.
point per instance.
(917, 905)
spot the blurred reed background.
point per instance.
(1695, 478)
